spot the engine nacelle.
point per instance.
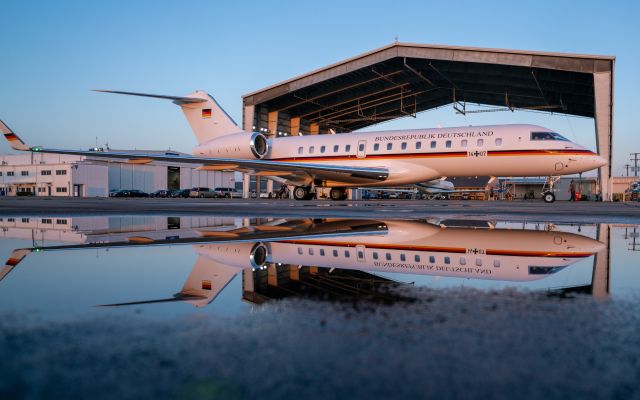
(240, 255)
(237, 145)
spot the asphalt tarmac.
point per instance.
(527, 210)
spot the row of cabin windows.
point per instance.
(403, 257)
(43, 172)
(403, 146)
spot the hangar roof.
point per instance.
(403, 79)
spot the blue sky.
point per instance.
(54, 52)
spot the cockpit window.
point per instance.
(547, 136)
(537, 270)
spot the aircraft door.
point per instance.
(362, 149)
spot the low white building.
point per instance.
(67, 175)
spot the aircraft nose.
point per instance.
(599, 161)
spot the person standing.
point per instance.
(572, 191)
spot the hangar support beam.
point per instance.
(603, 88)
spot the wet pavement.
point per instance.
(215, 306)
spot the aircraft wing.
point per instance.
(263, 167)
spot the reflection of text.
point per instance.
(433, 268)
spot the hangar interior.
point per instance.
(403, 79)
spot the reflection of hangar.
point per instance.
(403, 79)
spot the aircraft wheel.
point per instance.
(337, 194)
(549, 197)
(301, 193)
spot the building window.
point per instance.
(61, 190)
(416, 258)
(433, 144)
(322, 149)
(403, 146)
(418, 145)
(25, 220)
(312, 149)
(498, 141)
(463, 143)
(389, 146)
(61, 221)
(61, 172)
(45, 172)
(347, 148)
(336, 148)
(480, 142)
(46, 221)
(376, 147)
(24, 173)
(10, 173)
(0, 173)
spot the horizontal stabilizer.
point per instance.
(176, 99)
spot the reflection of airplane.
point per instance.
(379, 246)
(367, 159)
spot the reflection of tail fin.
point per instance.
(205, 282)
(205, 116)
(15, 258)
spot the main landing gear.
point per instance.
(307, 193)
(338, 194)
(547, 190)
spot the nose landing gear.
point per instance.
(547, 190)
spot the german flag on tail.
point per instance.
(206, 113)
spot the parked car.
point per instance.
(130, 193)
(160, 193)
(180, 193)
(226, 192)
(201, 192)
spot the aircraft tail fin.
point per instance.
(205, 116)
(14, 259)
(14, 141)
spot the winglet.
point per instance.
(14, 141)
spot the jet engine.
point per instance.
(241, 255)
(237, 145)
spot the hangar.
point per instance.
(403, 79)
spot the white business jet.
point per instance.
(359, 159)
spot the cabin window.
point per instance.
(347, 254)
(478, 262)
(300, 250)
(418, 145)
(376, 147)
(310, 252)
(335, 253)
(361, 147)
(433, 144)
(403, 257)
(463, 261)
(389, 146)
(336, 148)
(448, 144)
(447, 260)
(498, 141)
(403, 146)
(322, 252)
(416, 258)
(360, 254)
(299, 150)
(388, 256)
(322, 149)
(480, 142)
(432, 259)
(347, 148)
(375, 255)
(496, 263)
(463, 143)
(312, 149)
